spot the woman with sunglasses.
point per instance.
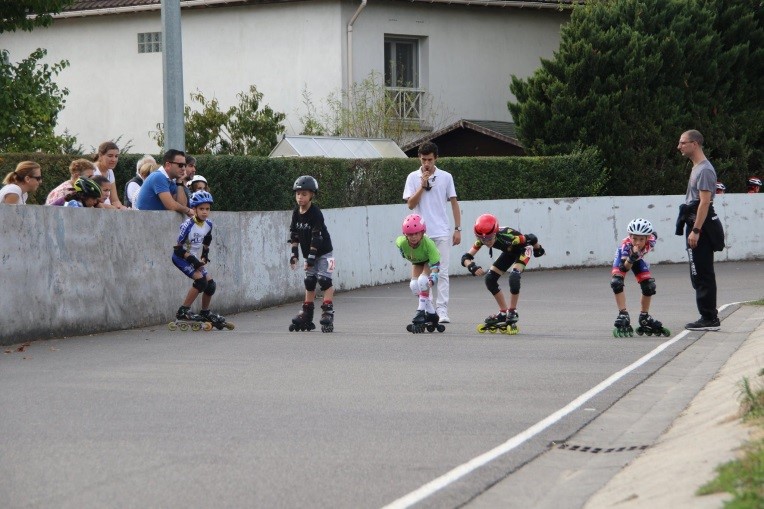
(516, 250)
(25, 179)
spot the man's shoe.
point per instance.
(443, 318)
(704, 324)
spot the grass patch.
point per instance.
(759, 302)
(743, 478)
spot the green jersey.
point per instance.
(425, 252)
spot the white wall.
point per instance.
(281, 48)
(77, 271)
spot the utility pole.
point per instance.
(172, 76)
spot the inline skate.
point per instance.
(649, 325)
(327, 317)
(186, 319)
(217, 321)
(424, 321)
(505, 323)
(304, 320)
(622, 325)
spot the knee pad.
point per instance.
(414, 285)
(324, 283)
(616, 284)
(648, 287)
(211, 286)
(492, 282)
(200, 284)
(310, 282)
(514, 281)
(424, 283)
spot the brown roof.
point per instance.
(472, 138)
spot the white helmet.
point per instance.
(197, 178)
(640, 227)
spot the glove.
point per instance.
(193, 260)
(311, 260)
(433, 279)
(634, 257)
(206, 255)
(473, 267)
(538, 251)
(294, 258)
(519, 240)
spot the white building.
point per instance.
(460, 52)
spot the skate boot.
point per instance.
(417, 324)
(432, 323)
(186, 319)
(304, 320)
(649, 325)
(327, 317)
(512, 318)
(494, 323)
(217, 321)
(622, 325)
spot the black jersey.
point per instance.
(504, 241)
(309, 230)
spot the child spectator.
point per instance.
(753, 185)
(190, 255)
(106, 187)
(85, 193)
(77, 168)
(423, 254)
(198, 183)
(25, 179)
(720, 188)
(308, 231)
(630, 256)
(516, 250)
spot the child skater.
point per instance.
(191, 254)
(423, 254)
(515, 254)
(308, 231)
(630, 256)
(86, 193)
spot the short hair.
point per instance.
(171, 154)
(146, 169)
(190, 161)
(695, 136)
(143, 160)
(78, 166)
(428, 147)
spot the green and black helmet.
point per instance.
(87, 187)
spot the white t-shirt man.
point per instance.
(431, 200)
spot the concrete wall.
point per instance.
(75, 271)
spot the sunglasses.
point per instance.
(180, 165)
(38, 178)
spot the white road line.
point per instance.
(457, 473)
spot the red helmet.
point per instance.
(487, 224)
(413, 224)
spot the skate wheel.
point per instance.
(430, 328)
(512, 330)
(441, 328)
(410, 328)
(666, 332)
(291, 328)
(327, 328)
(196, 326)
(172, 326)
(311, 326)
(640, 332)
(492, 331)
(183, 326)
(481, 328)
(207, 326)
(229, 326)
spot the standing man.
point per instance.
(428, 191)
(160, 190)
(699, 214)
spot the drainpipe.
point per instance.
(350, 44)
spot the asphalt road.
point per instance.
(261, 417)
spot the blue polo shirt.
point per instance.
(157, 182)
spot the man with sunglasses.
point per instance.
(160, 190)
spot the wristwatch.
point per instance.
(696, 230)
(457, 228)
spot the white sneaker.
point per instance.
(443, 318)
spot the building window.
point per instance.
(402, 77)
(150, 42)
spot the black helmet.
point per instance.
(305, 183)
(87, 187)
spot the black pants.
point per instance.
(702, 275)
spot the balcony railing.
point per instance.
(406, 103)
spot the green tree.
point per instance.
(30, 104)
(631, 75)
(28, 14)
(244, 129)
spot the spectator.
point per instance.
(85, 193)
(753, 184)
(78, 168)
(160, 190)
(134, 184)
(25, 179)
(106, 188)
(720, 188)
(105, 161)
(428, 192)
(198, 183)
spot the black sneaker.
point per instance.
(704, 324)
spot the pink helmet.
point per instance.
(413, 224)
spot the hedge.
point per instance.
(257, 183)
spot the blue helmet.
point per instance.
(200, 197)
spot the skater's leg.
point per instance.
(620, 300)
(199, 284)
(645, 303)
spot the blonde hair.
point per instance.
(147, 168)
(23, 169)
(78, 166)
